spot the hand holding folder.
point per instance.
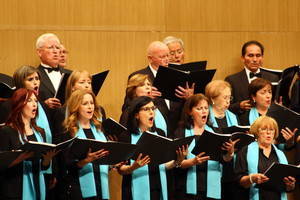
(117, 151)
(159, 149)
(212, 143)
(284, 117)
(168, 79)
(276, 173)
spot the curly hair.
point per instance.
(73, 104)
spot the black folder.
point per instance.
(276, 172)
(61, 92)
(235, 129)
(241, 133)
(211, 144)
(40, 147)
(98, 80)
(168, 79)
(7, 157)
(112, 127)
(159, 149)
(7, 87)
(118, 151)
(284, 117)
(192, 66)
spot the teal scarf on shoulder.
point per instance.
(252, 160)
(214, 172)
(86, 174)
(230, 118)
(29, 190)
(140, 178)
(160, 121)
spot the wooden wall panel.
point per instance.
(232, 15)
(114, 35)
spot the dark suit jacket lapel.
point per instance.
(45, 80)
(150, 74)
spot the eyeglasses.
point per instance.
(265, 130)
(230, 98)
(153, 108)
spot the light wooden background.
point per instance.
(114, 35)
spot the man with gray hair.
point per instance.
(48, 49)
(176, 48)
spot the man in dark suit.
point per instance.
(48, 49)
(158, 55)
(252, 57)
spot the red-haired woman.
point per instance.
(23, 179)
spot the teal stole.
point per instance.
(86, 173)
(253, 115)
(252, 160)
(214, 172)
(29, 191)
(140, 187)
(42, 121)
(230, 118)
(160, 121)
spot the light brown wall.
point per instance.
(114, 34)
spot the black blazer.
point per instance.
(46, 88)
(239, 84)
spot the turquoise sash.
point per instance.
(86, 173)
(230, 118)
(29, 191)
(140, 186)
(214, 172)
(160, 121)
(252, 160)
(253, 115)
(42, 121)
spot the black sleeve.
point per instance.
(241, 165)
(57, 124)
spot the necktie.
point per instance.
(255, 74)
(51, 69)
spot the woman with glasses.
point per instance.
(140, 85)
(218, 93)
(254, 159)
(260, 94)
(141, 180)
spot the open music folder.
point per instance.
(168, 79)
(160, 149)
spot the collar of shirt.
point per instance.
(248, 74)
(46, 66)
(153, 70)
